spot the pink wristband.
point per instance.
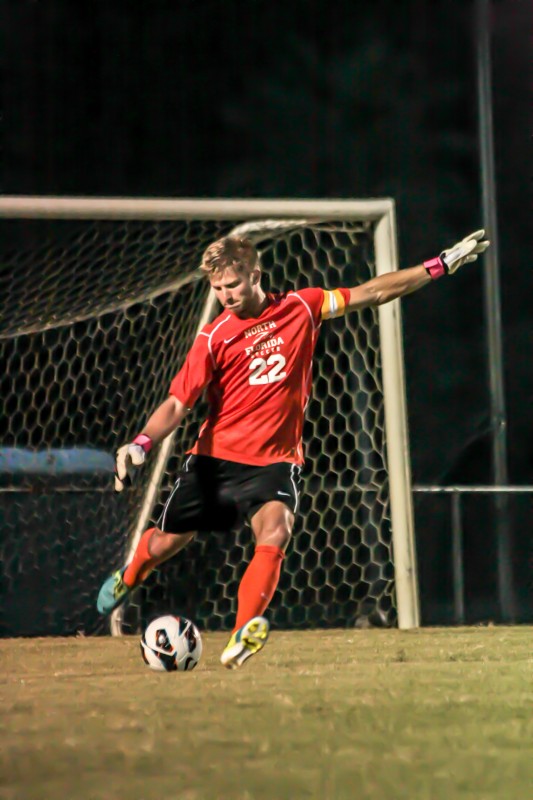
(435, 268)
(145, 442)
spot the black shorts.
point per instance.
(212, 494)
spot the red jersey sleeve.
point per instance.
(325, 303)
(195, 374)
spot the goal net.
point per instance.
(101, 301)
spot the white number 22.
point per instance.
(259, 365)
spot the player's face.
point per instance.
(239, 292)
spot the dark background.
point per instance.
(316, 99)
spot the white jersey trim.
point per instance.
(300, 298)
(210, 339)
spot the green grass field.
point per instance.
(366, 714)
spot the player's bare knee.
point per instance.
(272, 525)
(167, 544)
(274, 537)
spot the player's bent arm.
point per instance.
(387, 287)
(165, 419)
(133, 455)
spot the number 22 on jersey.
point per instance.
(267, 370)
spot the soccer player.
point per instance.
(255, 360)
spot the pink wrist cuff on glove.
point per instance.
(435, 268)
(145, 442)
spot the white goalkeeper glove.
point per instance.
(463, 252)
(129, 458)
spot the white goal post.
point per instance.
(268, 213)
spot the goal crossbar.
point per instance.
(155, 208)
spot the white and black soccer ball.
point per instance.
(171, 643)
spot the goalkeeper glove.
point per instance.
(463, 252)
(129, 457)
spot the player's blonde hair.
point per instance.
(233, 252)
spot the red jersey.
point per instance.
(258, 372)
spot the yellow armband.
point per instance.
(333, 304)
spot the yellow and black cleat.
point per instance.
(245, 642)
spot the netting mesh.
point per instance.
(97, 318)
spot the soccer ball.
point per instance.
(171, 643)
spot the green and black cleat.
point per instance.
(113, 592)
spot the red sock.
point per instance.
(258, 583)
(142, 562)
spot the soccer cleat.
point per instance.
(113, 592)
(245, 642)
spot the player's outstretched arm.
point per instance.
(388, 287)
(131, 456)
